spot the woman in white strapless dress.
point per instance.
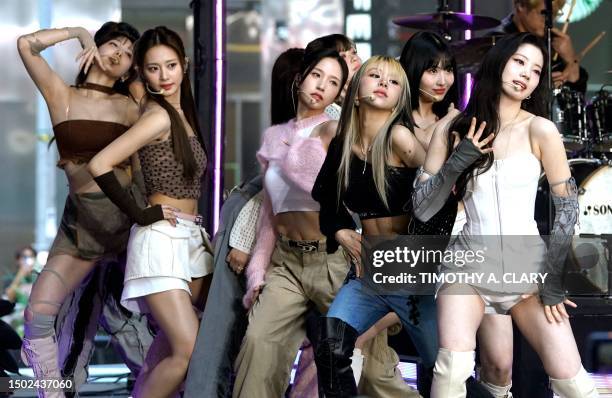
(497, 173)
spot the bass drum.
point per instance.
(599, 114)
(587, 261)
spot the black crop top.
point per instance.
(360, 196)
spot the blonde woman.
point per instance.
(370, 163)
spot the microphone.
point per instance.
(310, 99)
(160, 92)
(370, 97)
(434, 97)
(515, 86)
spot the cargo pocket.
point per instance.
(169, 251)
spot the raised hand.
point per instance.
(475, 137)
(89, 52)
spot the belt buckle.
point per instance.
(199, 220)
(306, 246)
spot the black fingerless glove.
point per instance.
(109, 184)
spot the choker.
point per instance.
(97, 87)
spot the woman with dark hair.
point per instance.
(497, 177)
(348, 51)
(432, 73)
(168, 250)
(85, 118)
(290, 271)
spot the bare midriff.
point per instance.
(189, 206)
(397, 225)
(299, 225)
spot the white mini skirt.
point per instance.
(161, 257)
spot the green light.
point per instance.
(582, 9)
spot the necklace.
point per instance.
(364, 152)
(511, 125)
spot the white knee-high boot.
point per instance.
(497, 391)
(357, 364)
(451, 371)
(579, 386)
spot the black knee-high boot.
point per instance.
(333, 358)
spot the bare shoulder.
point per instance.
(326, 130)
(401, 135)
(544, 137)
(542, 130)
(155, 115)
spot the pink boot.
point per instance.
(41, 355)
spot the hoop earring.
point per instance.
(528, 97)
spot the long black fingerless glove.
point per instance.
(109, 184)
(430, 195)
(566, 216)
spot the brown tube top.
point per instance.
(80, 140)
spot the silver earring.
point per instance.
(528, 97)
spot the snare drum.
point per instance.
(599, 114)
(587, 261)
(570, 117)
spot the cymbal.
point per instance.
(447, 20)
(469, 53)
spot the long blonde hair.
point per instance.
(348, 127)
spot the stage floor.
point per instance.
(111, 381)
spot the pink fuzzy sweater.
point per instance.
(300, 159)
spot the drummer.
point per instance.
(528, 16)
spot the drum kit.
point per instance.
(586, 130)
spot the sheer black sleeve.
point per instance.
(333, 215)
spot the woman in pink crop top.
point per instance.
(91, 227)
(168, 250)
(290, 249)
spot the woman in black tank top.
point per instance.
(369, 170)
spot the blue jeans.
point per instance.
(361, 307)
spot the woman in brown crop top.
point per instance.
(166, 259)
(90, 227)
